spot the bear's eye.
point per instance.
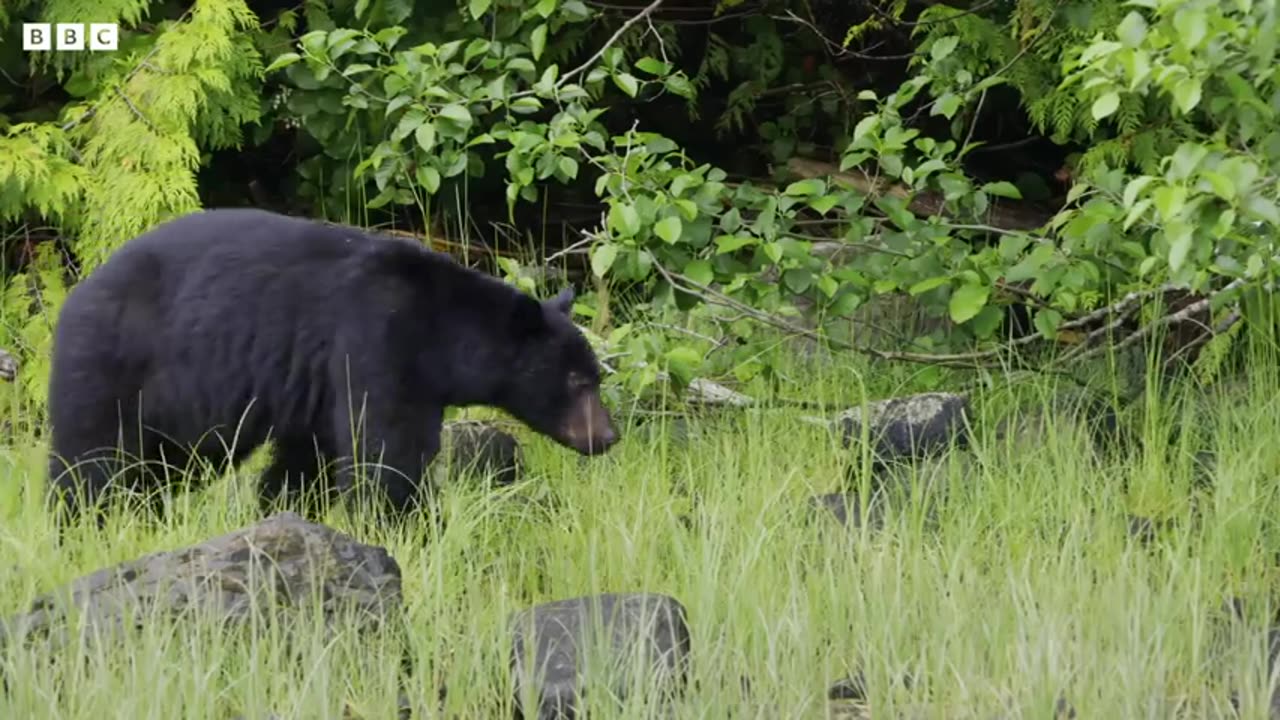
(578, 381)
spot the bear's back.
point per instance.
(245, 232)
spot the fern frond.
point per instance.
(141, 140)
(36, 174)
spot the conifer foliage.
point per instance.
(123, 156)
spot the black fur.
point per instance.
(234, 326)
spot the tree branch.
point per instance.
(1003, 217)
(598, 53)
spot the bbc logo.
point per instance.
(70, 36)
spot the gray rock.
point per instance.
(853, 687)
(914, 426)
(8, 366)
(672, 429)
(1204, 468)
(848, 698)
(473, 448)
(1145, 530)
(554, 642)
(283, 563)
(846, 509)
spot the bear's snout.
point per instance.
(588, 428)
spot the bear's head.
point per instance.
(553, 384)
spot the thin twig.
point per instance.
(1084, 352)
(144, 62)
(598, 53)
(711, 296)
(136, 111)
(836, 49)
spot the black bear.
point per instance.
(214, 332)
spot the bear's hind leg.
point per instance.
(90, 476)
(295, 478)
(391, 455)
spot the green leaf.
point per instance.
(408, 123)
(1031, 265)
(1132, 30)
(526, 105)
(1221, 185)
(680, 85)
(575, 8)
(1135, 214)
(669, 229)
(1047, 321)
(1186, 158)
(624, 219)
(1191, 25)
(1169, 200)
(1262, 208)
(627, 83)
(457, 114)
(773, 251)
(538, 40)
(283, 61)
(425, 134)
(1003, 188)
(987, 321)
(866, 125)
(479, 7)
(1187, 94)
(1105, 105)
(797, 280)
(823, 203)
(731, 220)
(967, 301)
(1134, 187)
(944, 47)
(700, 272)
(602, 258)
(429, 178)
(730, 243)
(687, 209)
(522, 65)
(1179, 236)
(653, 66)
(810, 186)
(568, 166)
(545, 7)
(828, 286)
(947, 105)
(683, 362)
(925, 286)
(548, 79)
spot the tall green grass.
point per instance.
(1001, 589)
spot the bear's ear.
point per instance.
(527, 316)
(563, 302)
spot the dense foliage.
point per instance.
(747, 164)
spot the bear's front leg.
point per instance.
(389, 452)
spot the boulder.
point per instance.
(846, 509)
(474, 448)
(282, 563)
(909, 427)
(8, 366)
(554, 642)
